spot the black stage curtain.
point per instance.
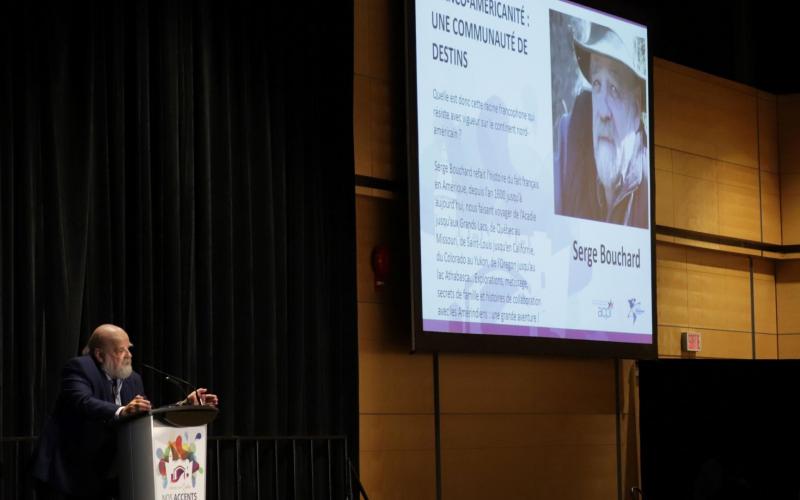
(184, 170)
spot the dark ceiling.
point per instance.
(745, 41)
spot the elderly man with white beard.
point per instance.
(76, 451)
(602, 157)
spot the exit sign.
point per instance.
(691, 341)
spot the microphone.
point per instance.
(179, 382)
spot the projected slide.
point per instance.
(533, 171)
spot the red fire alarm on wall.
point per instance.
(380, 265)
(691, 342)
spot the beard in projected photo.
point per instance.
(602, 159)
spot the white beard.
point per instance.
(121, 372)
(612, 162)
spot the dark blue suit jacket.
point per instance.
(77, 448)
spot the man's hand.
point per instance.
(137, 404)
(206, 397)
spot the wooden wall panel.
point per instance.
(766, 320)
(789, 346)
(766, 346)
(565, 472)
(768, 151)
(527, 427)
(787, 290)
(394, 381)
(719, 291)
(705, 116)
(672, 288)
(789, 146)
(374, 32)
(697, 209)
(788, 131)
(665, 204)
(739, 201)
(398, 456)
(399, 474)
(771, 218)
(525, 384)
(790, 207)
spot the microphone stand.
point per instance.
(179, 382)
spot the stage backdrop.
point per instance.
(185, 170)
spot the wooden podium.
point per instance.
(162, 454)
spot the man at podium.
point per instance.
(76, 452)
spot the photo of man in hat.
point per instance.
(601, 153)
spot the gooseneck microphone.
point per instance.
(179, 382)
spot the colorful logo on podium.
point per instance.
(177, 462)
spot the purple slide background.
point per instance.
(434, 325)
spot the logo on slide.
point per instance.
(605, 308)
(177, 462)
(636, 309)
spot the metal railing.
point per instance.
(240, 468)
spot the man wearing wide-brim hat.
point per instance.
(602, 157)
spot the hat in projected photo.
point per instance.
(606, 42)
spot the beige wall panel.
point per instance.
(691, 165)
(765, 310)
(766, 346)
(397, 432)
(771, 207)
(663, 158)
(788, 132)
(671, 255)
(708, 119)
(764, 269)
(383, 123)
(740, 250)
(737, 175)
(484, 431)
(562, 472)
(385, 326)
(764, 294)
(361, 129)
(719, 302)
(787, 285)
(394, 381)
(789, 346)
(399, 475)
(665, 203)
(696, 243)
(719, 291)
(373, 32)
(790, 207)
(672, 290)
(768, 133)
(717, 263)
(739, 214)
(716, 344)
(697, 209)
(525, 384)
(736, 345)
(662, 238)
(669, 341)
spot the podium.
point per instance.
(162, 454)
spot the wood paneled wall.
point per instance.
(716, 156)
(533, 427)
